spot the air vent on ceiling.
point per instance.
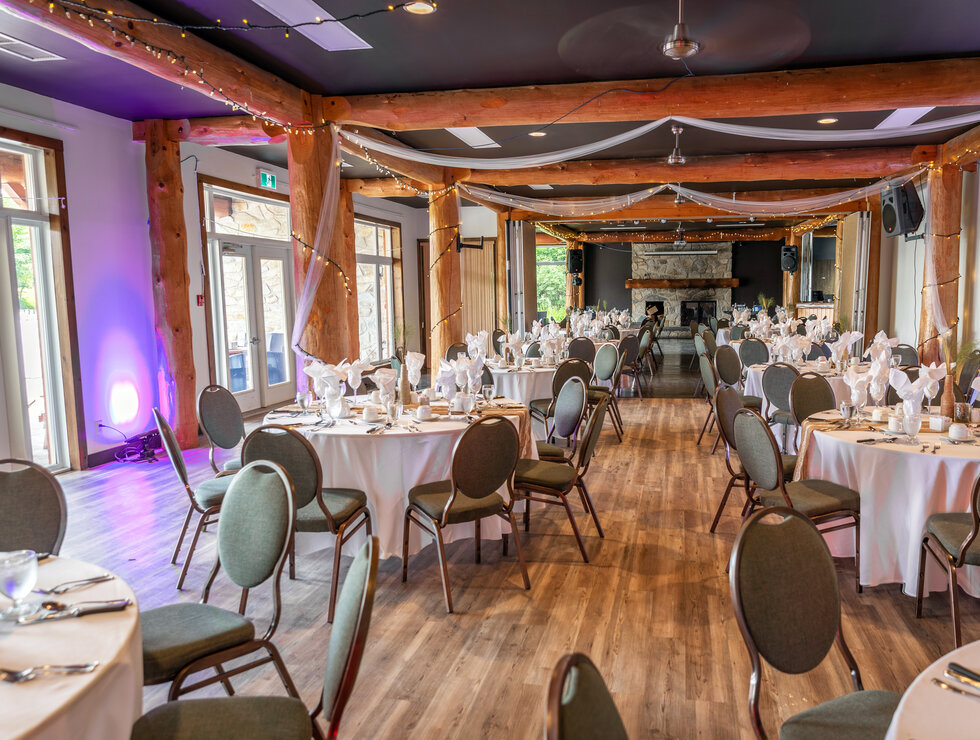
(26, 51)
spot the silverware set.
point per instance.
(962, 676)
(29, 674)
(73, 585)
(56, 610)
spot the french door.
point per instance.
(252, 312)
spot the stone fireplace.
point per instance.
(662, 262)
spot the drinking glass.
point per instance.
(519, 361)
(303, 400)
(847, 412)
(488, 393)
(394, 411)
(912, 423)
(18, 575)
(468, 402)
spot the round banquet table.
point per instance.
(928, 711)
(900, 487)
(100, 705)
(524, 385)
(628, 331)
(386, 466)
(723, 337)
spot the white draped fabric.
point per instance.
(524, 385)
(553, 207)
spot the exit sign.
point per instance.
(267, 180)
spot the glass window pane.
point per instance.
(365, 238)
(386, 320)
(16, 183)
(274, 318)
(234, 214)
(238, 331)
(384, 241)
(367, 311)
(551, 291)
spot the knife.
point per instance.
(77, 610)
(947, 687)
(964, 674)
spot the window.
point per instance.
(374, 245)
(551, 275)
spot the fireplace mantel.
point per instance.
(683, 283)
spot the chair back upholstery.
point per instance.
(727, 404)
(699, 347)
(709, 343)
(570, 408)
(815, 353)
(757, 450)
(753, 352)
(497, 337)
(256, 524)
(533, 350)
(33, 512)
(892, 397)
(724, 323)
(582, 348)
(570, 368)
(348, 635)
(606, 334)
(737, 332)
(702, 328)
(777, 379)
(484, 459)
(456, 349)
(810, 394)
(713, 324)
(606, 360)
(629, 349)
(907, 354)
(293, 453)
(968, 371)
(486, 377)
(708, 376)
(615, 331)
(645, 339)
(220, 417)
(580, 706)
(693, 326)
(784, 590)
(801, 329)
(590, 438)
(728, 365)
(172, 448)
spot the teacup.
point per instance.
(423, 413)
(375, 396)
(535, 362)
(371, 413)
(879, 413)
(939, 423)
(959, 431)
(895, 423)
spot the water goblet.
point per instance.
(912, 423)
(394, 411)
(519, 361)
(468, 402)
(18, 575)
(488, 393)
(847, 412)
(303, 400)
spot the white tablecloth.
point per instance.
(386, 466)
(900, 487)
(100, 705)
(524, 385)
(927, 711)
(723, 337)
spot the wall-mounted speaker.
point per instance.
(575, 261)
(577, 280)
(789, 258)
(901, 209)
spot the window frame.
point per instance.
(396, 292)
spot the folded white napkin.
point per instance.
(385, 378)
(513, 342)
(535, 328)
(910, 391)
(476, 343)
(933, 374)
(474, 373)
(800, 343)
(881, 346)
(554, 328)
(354, 372)
(858, 383)
(414, 362)
(446, 378)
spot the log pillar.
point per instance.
(791, 280)
(171, 283)
(331, 332)
(500, 288)
(445, 287)
(943, 255)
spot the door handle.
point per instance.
(253, 340)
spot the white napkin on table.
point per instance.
(881, 346)
(474, 373)
(476, 343)
(513, 342)
(446, 378)
(933, 374)
(554, 328)
(858, 383)
(910, 391)
(385, 378)
(354, 372)
(550, 347)
(414, 362)
(535, 328)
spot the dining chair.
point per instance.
(695, 331)
(702, 328)
(727, 403)
(777, 379)
(729, 368)
(221, 419)
(710, 343)
(339, 511)
(788, 607)
(737, 332)
(533, 350)
(815, 352)
(543, 409)
(907, 353)
(606, 368)
(204, 499)
(700, 349)
(819, 500)
(968, 372)
(614, 330)
(580, 706)
(753, 352)
(629, 350)
(709, 381)
(484, 459)
(551, 482)
(724, 323)
(582, 348)
(713, 324)
(951, 540)
(644, 352)
(230, 718)
(810, 394)
(570, 407)
(657, 331)
(497, 337)
(254, 535)
(801, 329)
(33, 511)
(456, 350)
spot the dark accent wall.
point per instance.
(607, 268)
(756, 265)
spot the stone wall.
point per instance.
(662, 266)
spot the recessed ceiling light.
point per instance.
(540, 187)
(538, 133)
(473, 136)
(826, 121)
(420, 7)
(26, 51)
(903, 117)
(327, 35)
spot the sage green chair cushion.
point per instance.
(597, 393)
(544, 474)
(340, 502)
(782, 417)
(540, 405)
(952, 530)
(432, 497)
(212, 492)
(814, 497)
(547, 450)
(751, 402)
(587, 710)
(227, 718)
(789, 467)
(177, 634)
(234, 464)
(857, 716)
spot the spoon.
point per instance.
(29, 674)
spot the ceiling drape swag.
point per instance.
(570, 208)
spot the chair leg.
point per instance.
(954, 604)
(183, 532)
(857, 553)
(292, 559)
(527, 515)
(338, 546)
(717, 439)
(619, 435)
(697, 388)
(704, 427)
(190, 552)
(226, 682)
(476, 526)
(444, 569)
(922, 577)
(571, 519)
(284, 676)
(587, 500)
(520, 551)
(405, 548)
(721, 506)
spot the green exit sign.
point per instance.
(267, 180)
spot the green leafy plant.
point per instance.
(765, 301)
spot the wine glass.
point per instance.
(847, 411)
(488, 393)
(519, 361)
(395, 411)
(303, 400)
(912, 423)
(18, 575)
(469, 401)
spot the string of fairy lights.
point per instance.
(432, 265)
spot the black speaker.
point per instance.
(574, 261)
(577, 280)
(790, 258)
(901, 209)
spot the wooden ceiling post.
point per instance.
(171, 299)
(331, 333)
(791, 280)
(838, 268)
(874, 269)
(445, 287)
(500, 288)
(943, 255)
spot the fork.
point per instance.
(29, 674)
(72, 585)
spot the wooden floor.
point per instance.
(652, 609)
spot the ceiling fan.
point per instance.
(678, 45)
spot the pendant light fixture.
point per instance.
(678, 45)
(421, 7)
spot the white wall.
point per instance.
(477, 221)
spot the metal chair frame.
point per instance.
(556, 690)
(214, 388)
(55, 487)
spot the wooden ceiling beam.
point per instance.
(962, 150)
(241, 81)
(826, 164)
(218, 131)
(865, 87)
(658, 237)
(383, 187)
(427, 173)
